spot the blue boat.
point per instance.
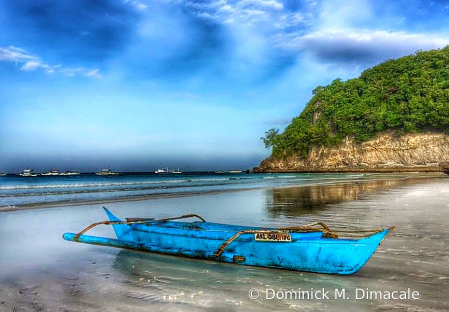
(313, 247)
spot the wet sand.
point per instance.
(42, 272)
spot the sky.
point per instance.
(192, 84)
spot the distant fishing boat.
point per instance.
(70, 172)
(52, 172)
(28, 173)
(162, 171)
(313, 247)
(106, 172)
(2, 174)
(234, 171)
(166, 171)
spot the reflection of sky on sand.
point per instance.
(39, 269)
(298, 201)
(165, 280)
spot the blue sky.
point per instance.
(140, 84)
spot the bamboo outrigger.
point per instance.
(313, 247)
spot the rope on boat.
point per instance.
(307, 226)
(192, 215)
(137, 221)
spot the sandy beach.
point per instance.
(42, 272)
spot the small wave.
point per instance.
(87, 185)
(109, 184)
(8, 207)
(110, 190)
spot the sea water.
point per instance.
(16, 191)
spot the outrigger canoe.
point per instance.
(313, 247)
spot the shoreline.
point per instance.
(419, 177)
(353, 170)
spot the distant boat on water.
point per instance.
(52, 172)
(232, 171)
(166, 171)
(55, 172)
(106, 172)
(70, 172)
(162, 171)
(28, 173)
(2, 174)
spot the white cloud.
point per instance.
(94, 73)
(243, 11)
(14, 54)
(30, 66)
(31, 63)
(353, 45)
(266, 4)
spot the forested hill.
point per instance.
(407, 95)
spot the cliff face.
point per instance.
(385, 153)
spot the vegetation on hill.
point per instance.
(410, 94)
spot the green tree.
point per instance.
(270, 137)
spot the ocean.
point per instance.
(19, 192)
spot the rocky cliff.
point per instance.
(385, 153)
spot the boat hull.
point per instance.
(305, 252)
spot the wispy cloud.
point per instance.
(264, 4)
(137, 4)
(94, 73)
(36, 64)
(14, 54)
(29, 63)
(361, 45)
(245, 12)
